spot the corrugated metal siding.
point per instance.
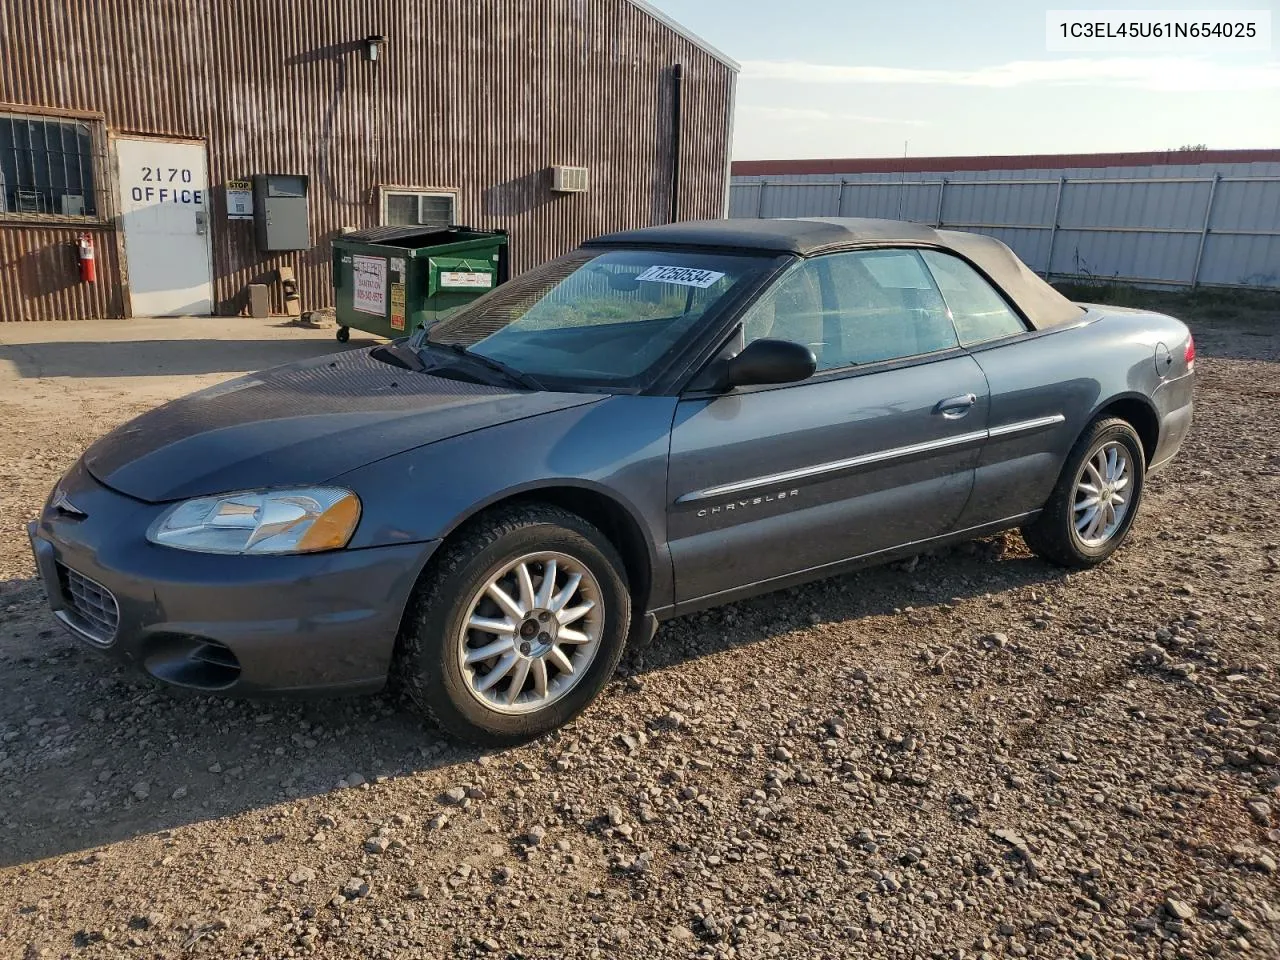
(40, 275)
(1247, 261)
(1246, 205)
(481, 96)
(1142, 223)
(1158, 205)
(1018, 204)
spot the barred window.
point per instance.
(47, 166)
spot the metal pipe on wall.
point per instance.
(677, 106)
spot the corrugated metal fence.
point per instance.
(1167, 225)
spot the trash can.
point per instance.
(390, 281)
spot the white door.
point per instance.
(164, 210)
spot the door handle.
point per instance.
(954, 408)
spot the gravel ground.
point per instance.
(967, 755)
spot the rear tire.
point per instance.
(1095, 500)
(580, 621)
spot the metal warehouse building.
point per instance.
(204, 144)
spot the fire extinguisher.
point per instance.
(88, 268)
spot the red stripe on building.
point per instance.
(1035, 161)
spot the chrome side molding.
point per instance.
(866, 459)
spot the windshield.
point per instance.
(595, 317)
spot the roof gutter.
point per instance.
(688, 34)
(728, 144)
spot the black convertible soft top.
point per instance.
(806, 236)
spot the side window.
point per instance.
(856, 308)
(979, 312)
(888, 308)
(790, 310)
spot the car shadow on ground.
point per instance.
(91, 753)
(163, 358)
(922, 585)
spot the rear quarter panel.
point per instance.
(1073, 371)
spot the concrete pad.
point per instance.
(146, 360)
(63, 385)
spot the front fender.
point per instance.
(617, 447)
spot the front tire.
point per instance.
(1096, 499)
(517, 628)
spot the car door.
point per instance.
(876, 450)
(1034, 394)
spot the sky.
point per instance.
(855, 78)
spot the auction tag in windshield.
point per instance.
(683, 276)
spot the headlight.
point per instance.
(305, 520)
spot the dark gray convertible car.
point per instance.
(662, 420)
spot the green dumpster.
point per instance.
(390, 281)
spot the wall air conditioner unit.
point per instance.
(569, 179)
(72, 205)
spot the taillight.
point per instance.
(1190, 355)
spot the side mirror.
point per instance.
(770, 361)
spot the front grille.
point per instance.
(91, 609)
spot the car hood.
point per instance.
(301, 423)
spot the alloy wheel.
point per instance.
(1102, 494)
(530, 633)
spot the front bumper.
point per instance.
(220, 624)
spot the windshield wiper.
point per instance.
(399, 355)
(511, 373)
